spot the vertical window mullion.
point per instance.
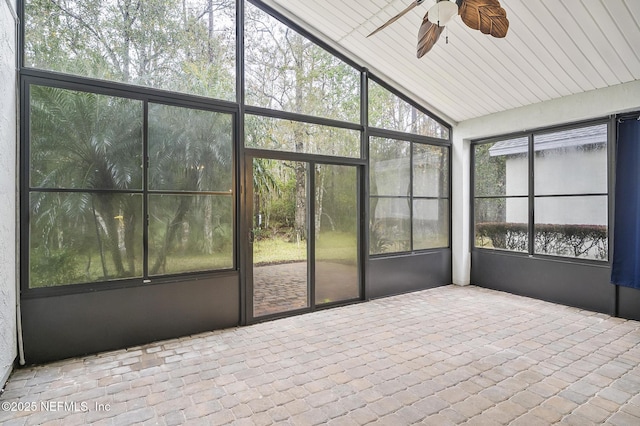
(311, 234)
(145, 191)
(531, 226)
(364, 114)
(411, 196)
(25, 193)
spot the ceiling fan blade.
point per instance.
(428, 35)
(486, 16)
(395, 18)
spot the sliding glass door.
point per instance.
(304, 239)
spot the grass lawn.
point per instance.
(332, 246)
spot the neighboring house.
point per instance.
(570, 168)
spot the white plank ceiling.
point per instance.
(553, 49)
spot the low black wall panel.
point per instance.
(72, 325)
(581, 285)
(402, 274)
(629, 303)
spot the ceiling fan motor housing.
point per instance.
(442, 12)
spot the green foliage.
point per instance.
(285, 71)
(378, 244)
(586, 241)
(168, 44)
(87, 141)
(490, 172)
(504, 235)
(389, 111)
(54, 268)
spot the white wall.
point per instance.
(7, 189)
(594, 104)
(570, 172)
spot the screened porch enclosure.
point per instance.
(201, 165)
(187, 166)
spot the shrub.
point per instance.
(53, 268)
(587, 241)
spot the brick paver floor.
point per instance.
(283, 287)
(450, 355)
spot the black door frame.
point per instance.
(246, 227)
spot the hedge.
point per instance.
(587, 241)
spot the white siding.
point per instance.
(573, 172)
(7, 191)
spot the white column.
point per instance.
(8, 131)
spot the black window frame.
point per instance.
(238, 108)
(421, 140)
(531, 196)
(30, 78)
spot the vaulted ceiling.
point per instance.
(553, 49)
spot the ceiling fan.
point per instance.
(484, 15)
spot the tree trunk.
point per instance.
(208, 228)
(172, 228)
(99, 238)
(297, 47)
(128, 27)
(106, 210)
(130, 222)
(300, 226)
(319, 189)
(443, 213)
(209, 41)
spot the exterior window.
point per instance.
(86, 177)
(390, 112)
(87, 197)
(430, 167)
(501, 187)
(409, 204)
(130, 142)
(190, 184)
(296, 136)
(287, 72)
(184, 47)
(569, 203)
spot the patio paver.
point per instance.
(451, 355)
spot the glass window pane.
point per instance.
(295, 136)
(502, 168)
(336, 234)
(280, 227)
(388, 111)
(287, 72)
(81, 237)
(572, 226)
(189, 150)
(430, 224)
(83, 140)
(501, 223)
(572, 161)
(190, 233)
(390, 167)
(430, 171)
(390, 225)
(180, 46)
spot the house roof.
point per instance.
(553, 49)
(565, 139)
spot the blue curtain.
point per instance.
(626, 244)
